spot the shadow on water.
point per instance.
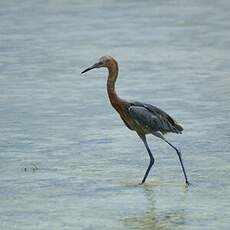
(153, 218)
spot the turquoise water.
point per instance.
(67, 161)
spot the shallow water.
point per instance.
(67, 161)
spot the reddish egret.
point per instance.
(140, 117)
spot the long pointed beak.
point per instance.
(88, 69)
(92, 67)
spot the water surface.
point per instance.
(67, 161)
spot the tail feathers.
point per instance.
(179, 127)
(174, 128)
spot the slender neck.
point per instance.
(113, 74)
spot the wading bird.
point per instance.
(140, 117)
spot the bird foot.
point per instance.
(187, 183)
(142, 182)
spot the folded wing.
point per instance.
(153, 119)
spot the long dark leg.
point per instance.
(180, 158)
(151, 158)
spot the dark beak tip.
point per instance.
(86, 70)
(91, 67)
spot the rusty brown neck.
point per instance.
(113, 74)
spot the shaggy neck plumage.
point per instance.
(113, 74)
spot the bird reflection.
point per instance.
(154, 218)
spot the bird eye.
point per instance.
(100, 63)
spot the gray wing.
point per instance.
(153, 118)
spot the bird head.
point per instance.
(104, 61)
